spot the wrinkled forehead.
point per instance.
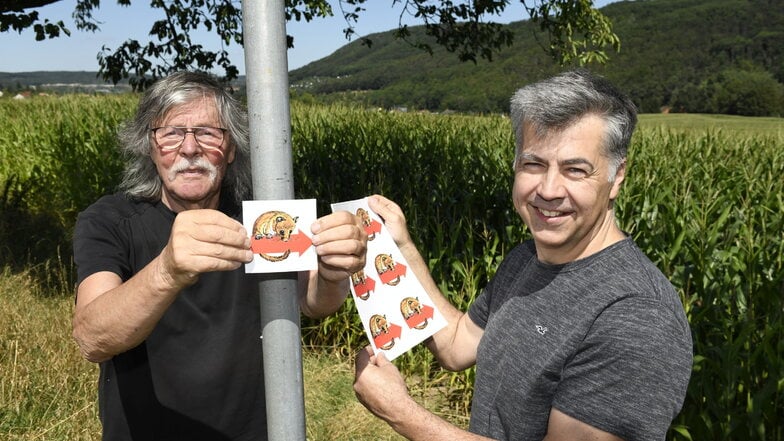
(198, 111)
(584, 137)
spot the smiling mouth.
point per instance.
(550, 213)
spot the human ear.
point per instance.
(620, 174)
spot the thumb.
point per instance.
(382, 360)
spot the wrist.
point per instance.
(329, 280)
(327, 297)
(408, 248)
(407, 417)
(167, 280)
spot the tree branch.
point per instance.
(21, 5)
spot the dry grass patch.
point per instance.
(47, 392)
(333, 412)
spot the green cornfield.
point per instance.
(703, 197)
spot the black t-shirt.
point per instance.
(198, 375)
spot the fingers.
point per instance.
(206, 240)
(393, 216)
(386, 208)
(341, 244)
(378, 384)
(382, 361)
(335, 219)
(218, 234)
(363, 359)
(210, 227)
(365, 371)
(342, 239)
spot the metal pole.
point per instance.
(266, 72)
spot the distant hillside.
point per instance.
(691, 55)
(699, 56)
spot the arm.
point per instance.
(562, 427)
(381, 389)
(455, 345)
(112, 316)
(341, 245)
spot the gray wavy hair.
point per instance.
(140, 178)
(556, 103)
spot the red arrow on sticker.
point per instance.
(383, 339)
(297, 243)
(398, 271)
(373, 228)
(423, 316)
(366, 287)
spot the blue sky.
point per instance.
(313, 41)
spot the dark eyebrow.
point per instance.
(527, 156)
(578, 161)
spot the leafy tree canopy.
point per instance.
(575, 30)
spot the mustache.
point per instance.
(193, 163)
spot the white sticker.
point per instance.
(280, 236)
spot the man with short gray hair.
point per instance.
(578, 335)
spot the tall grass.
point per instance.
(704, 201)
(709, 210)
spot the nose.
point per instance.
(189, 146)
(551, 185)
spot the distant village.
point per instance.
(23, 85)
(24, 92)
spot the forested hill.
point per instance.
(698, 56)
(708, 56)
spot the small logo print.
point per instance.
(541, 329)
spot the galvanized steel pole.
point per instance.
(266, 72)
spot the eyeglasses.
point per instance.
(170, 138)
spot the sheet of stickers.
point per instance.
(396, 311)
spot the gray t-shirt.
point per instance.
(603, 339)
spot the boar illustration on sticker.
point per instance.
(415, 313)
(388, 270)
(270, 227)
(367, 223)
(363, 286)
(383, 332)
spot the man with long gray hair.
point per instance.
(163, 303)
(578, 335)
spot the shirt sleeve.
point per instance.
(498, 288)
(479, 310)
(630, 374)
(98, 243)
